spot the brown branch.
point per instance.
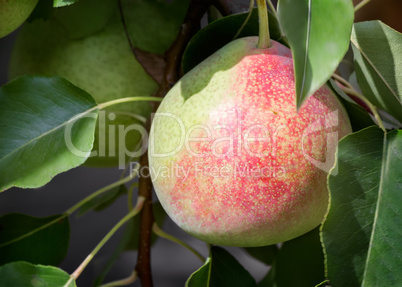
(171, 74)
(143, 266)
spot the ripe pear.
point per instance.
(13, 13)
(232, 161)
(96, 58)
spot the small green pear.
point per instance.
(13, 13)
(101, 64)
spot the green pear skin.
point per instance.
(13, 13)
(101, 64)
(232, 161)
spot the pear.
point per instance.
(232, 161)
(98, 59)
(13, 13)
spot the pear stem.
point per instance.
(263, 38)
(250, 11)
(272, 7)
(361, 4)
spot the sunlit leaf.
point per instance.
(362, 234)
(61, 3)
(318, 32)
(41, 127)
(377, 51)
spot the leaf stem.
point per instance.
(111, 103)
(76, 206)
(161, 233)
(361, 4)
(102, 190)
(250, 11)
(272, 7)
(349, 89)
(128, 99)
(130, 279)
(320, 284)
(372, 108)
(263, 39)
(342, 80)
(131, 214)
(130, 196)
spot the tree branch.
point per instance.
(171, 74)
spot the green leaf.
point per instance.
(21, 239)
(377, 53)
(61, 3)
(318, 32)
(159, 215)
(222, 32)
(24, 274)
(201, 277)
(362, 234)
(154, 24)
(103, 200)
(104, 66)
(265, 254)
(300, 262)
(40, 125)
(220, 269)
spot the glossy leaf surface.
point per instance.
(318, 32)
(362, 232)
(377, 51)
(61, 3)
(43, 131)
